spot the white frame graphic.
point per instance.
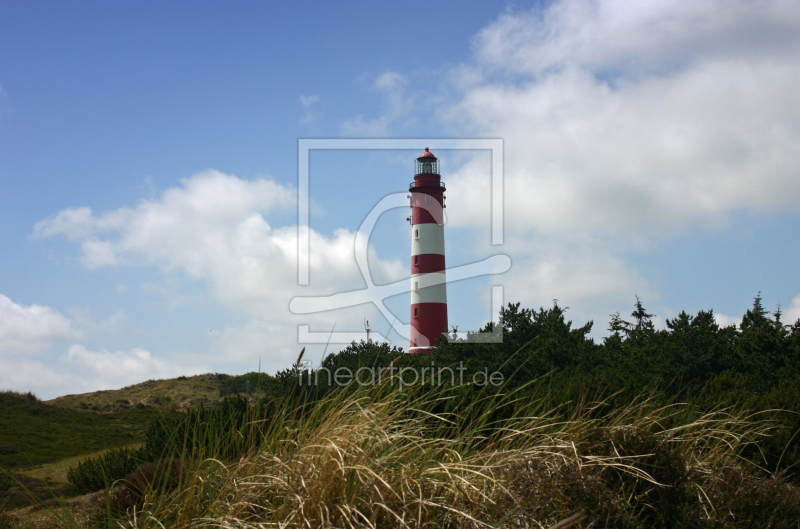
(492, 265)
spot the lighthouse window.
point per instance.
(416, 259)
(416, 234)
(416, 285)
(416, 312)
(416, 343)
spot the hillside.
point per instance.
(175, 393)
(40, 440)
(33, 432)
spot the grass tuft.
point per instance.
(377, 457)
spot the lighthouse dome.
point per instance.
(427, 154)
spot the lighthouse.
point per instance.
(428, 285)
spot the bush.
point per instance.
(25, 396)
(162, 477)
(227, 431)
(96, 473)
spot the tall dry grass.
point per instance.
(377, 458)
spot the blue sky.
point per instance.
(148, 169)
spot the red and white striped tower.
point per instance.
(428, 287)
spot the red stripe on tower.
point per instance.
(428, 283)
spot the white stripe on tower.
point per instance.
(427, 239)
(428, 278)
(428, 288)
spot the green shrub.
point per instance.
(94, 474)
(226, 431)
(25, 396)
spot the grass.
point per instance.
(33, 433)
(445, 457)
(169, 394)
(48, 514)
(376, 457)
(57, 471)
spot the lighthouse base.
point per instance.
(428, 323)
(426, 350)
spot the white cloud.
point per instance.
(207, 199)
(637, 37)
(105, 370)
(640, 118)
(32, 335)
(98, 254)
(44, 379)
(792, 313)
(723, 320)
(29, 329)
(213, 229)
(26, 332)
(625, 122)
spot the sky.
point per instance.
(149, 170)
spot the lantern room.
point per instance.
(427, 163)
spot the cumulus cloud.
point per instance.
(28, 329)
(33, 339)
(792, 312)
(723, 320)
(26, 332)
(106, 370)
(214, 229)
(46, 379)
(635, 38)
(579, 273)
(625, 122)
(81, 370)
(640, 118)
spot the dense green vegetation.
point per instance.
(755, 366)
(95, 473)
(33, 433)
(456, 456)
(543, 358)
(628, 430)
